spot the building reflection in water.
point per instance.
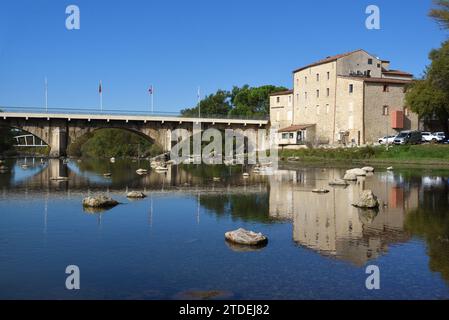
(330, 225)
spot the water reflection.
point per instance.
(413, 203)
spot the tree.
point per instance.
(427, 101)
(441, 14)
(217, 104)
(249, 101)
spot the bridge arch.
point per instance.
(78, 137)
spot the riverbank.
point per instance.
(414, 155)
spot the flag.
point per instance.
(150, 90)
(99, 88)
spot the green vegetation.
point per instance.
(409, 154)
(431, 222)
(112, 143)
(245, 101)
(429, 97)
(6, 140)
(441, 13)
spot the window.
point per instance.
(285, 136)
(386, 88)
(305, 79)
(317, 77)
(378, 65)
(289, 98)
(278, 99)
(385, 111)
(328, 75)
(370, 61)
(305, 95)
(351, 88)
(318, 93)
(328, 92)
(297, 99)
(297, 82)
(327, 108)
(318, 110)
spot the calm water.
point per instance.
(171, 244)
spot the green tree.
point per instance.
(441, 13)
(117, 143)
(217, 104)
(427, 101)
(430, 96)
(249, 101)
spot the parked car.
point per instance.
(408, 137)
(430, 137)
(441, 136)
(387, 139)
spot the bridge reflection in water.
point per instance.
(325, 223)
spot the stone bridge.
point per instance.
(60, 129)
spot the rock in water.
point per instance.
(390, 168)
(367, 200)
(368, 169)
(245, 237)
(135, 195)
(349, 176)
(320, 191)
(339, 182)
(358, 172)
(100, 201)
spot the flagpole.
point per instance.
(199, 102)
(101, 97)
(152, 99)
(46, 95)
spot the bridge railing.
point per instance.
(122, 112)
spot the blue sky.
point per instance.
(178, 45)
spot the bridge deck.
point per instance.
(126, 117)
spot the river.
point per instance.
(171, 244)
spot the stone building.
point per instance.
(348, 99)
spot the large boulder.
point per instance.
(367, 200)
(135, 195)
(99, 201)
(245, 237)
(349, 176)
(358, 172)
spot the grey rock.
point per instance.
(245, 237)
(99, 201)
(367, 200)
(135, 195)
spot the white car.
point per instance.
(430, 137)
(385, 140)
(441, 136)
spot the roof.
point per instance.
(397, 73)
(378, 80)
(298, 127)
(328, 59)
(281, 93)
